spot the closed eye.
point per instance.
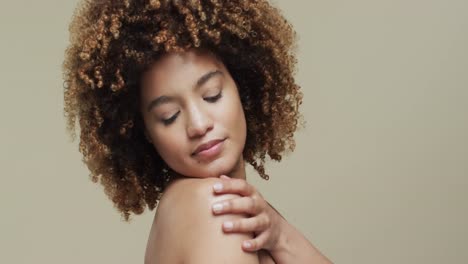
(213, 98)
(170, 120)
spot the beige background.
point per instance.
(380, 174)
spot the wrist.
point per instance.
(281, 247)
(293, 247)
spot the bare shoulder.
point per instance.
(185, 225)
(191, 195)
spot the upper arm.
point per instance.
(199, 233)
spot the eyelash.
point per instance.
(169, 121)
(212, 99)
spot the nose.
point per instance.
(199, 123)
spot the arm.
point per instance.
(212, 245)
(195, 232)
(293, 247)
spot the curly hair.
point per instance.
(113, 42)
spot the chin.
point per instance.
(214, 169)
(211, 172)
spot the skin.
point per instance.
(195, 115)
(205, 105)
(263, 220)
(185, 231)
(283, 242)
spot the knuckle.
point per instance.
(256, 198)
(259, 202)
(251, 189)
(226, 185)
(228, 205)
(267, 222)
(243, 185)
(252, 206)
(251, 225)
(240, 225)
(257, 224)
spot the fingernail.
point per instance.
(247, 244)
(228, 225)
(218, 187)
(217, 207)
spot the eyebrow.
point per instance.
(167, 99)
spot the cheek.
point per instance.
(242, 125)
(233, 116)
(168, 145)
(239, 112)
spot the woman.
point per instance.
(170, 95)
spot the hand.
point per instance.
(266, 223)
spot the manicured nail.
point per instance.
(247, 244)
(217, 207)
(228, 225)
(218, 187)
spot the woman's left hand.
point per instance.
(265, 221)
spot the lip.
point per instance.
(207, 146)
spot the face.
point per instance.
(193, 114)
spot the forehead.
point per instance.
(179, 68)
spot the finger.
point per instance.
(255, 244)
(237, 205)
(238, 186)
(246, 225)
(224, 177)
